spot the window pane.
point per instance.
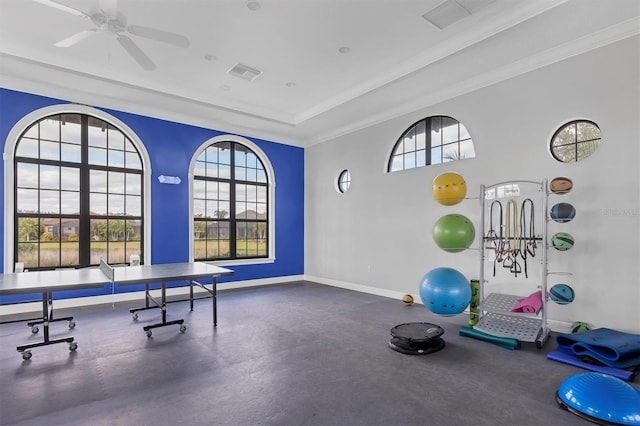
(199, 188)
(451, 152)
(98, 204)
(69, 178)
(587, 131)
(50, 202)
(50, 150)
(50, 129)
(241, 173)
(396, 163)
(212, 209)
(585, 149)
(132, 161)
(134, 184)
(98, 181)
(421, 137)
(449, 130)
(29, 229)
(116, 182)
(27, 200)
(224, 172)
(410, 141)
(436, 131)
(199, 208)
(69, 230)
(70, 153)
(32, 132)
(27, 175)
(69, 202)
(97, 133)
(436, 155)
(116, 138)
(410, 160)
(70, 131)
(421, 158)
(261, 194)
(49, 177)
(116, 158)
(27, 148)
(116, 205)
(133, 205)
(98, 156)
(200, 168)
(28, 254)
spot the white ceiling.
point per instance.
(309, 91)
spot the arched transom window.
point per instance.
(433, 140)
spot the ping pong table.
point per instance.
(48, 282)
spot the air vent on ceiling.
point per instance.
(244, 72)
(453, 10)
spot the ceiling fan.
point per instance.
(110, 21)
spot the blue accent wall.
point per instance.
(170, 147)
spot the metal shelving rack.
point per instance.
(495, 313)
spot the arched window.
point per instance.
(575, 141)
(79, 193)
(231, 201)
(432, 140)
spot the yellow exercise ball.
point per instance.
(449, 188)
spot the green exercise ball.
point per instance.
(453, 233)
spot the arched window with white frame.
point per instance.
(232, 202)
(77, 182)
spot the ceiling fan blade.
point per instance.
(70, 41)
(62, 8)
(159, 35)
(136, 53)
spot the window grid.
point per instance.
(230, 208)
(575, 141)
(433, 140)
(71, 211)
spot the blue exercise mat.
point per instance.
(609, 347)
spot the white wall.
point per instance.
(377, 236)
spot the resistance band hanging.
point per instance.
(493, 238)
(528, 233)
(512, 241)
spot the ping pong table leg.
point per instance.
(214, 293)
(47, 303)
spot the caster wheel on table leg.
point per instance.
(26, 355)
(34, 330)
(73, 346)
(134, 316)
(149, 333)
(72, 324)
(183, 328)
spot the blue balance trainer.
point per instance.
(600, 398)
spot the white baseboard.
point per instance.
(36, 307)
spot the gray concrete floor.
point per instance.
(291, 354)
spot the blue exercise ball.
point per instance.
(445, 291)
